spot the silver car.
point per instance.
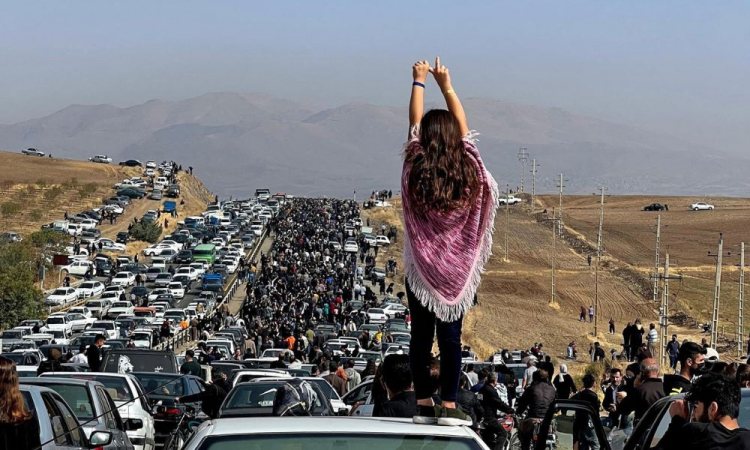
(58, 426)
(94, 408)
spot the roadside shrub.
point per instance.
(87, 190)
(149, 232)
(41, 183)
(54, 193)
(36, 215)
(8, 184)
(10, 209)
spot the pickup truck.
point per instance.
(169, 206)
(212, 282)
(510, 200)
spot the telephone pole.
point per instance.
(533, 186)
(554, 221)
(507, 219)
(717, 294)
(741, 312)
(598, 259)
(560, 211)
(664, 309)
(656, 258)
(522, 157)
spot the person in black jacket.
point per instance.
(19, 427)
(584, 433)
(468, 402)
(564, 384)
(609, 404)
(214, 395)
(713, 423)
(397, 378)
(537, 398)
(94, 354)
(491, 403)
(650, 390)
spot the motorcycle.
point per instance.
(508, 423)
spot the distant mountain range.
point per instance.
(238, 142)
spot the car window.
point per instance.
(108, 408)
(71, 425)
(78, 398)
(58, 427)
(195, 387)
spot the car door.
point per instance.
(113, 420)
(67, 431)
(650, 429)
(571, 424)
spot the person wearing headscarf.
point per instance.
(564, 384)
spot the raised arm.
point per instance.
(416, 104)
(443, 79)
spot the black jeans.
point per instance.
(423, 326)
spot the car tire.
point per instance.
(695, 209)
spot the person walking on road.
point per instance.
(457, 207)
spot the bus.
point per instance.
(205, 252)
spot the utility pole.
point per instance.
(554, 221)
(507, 219)
(664, 309)
(656, 258)
(741, 312)
(533, 186)
(560, 211)
(522, 157)
(598, 259)
(717, 294)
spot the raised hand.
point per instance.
(442, 77)
(420, 70)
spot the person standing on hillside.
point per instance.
(582, 317)
(652, 338)
(449, 204)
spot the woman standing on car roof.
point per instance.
(449, 203)
(19, 428)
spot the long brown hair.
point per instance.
(442, 177)
(12, 406)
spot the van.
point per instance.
(60, 225)
(161, 183)
(159, 262)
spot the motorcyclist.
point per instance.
(491, 403)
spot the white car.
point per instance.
(79, 322)
(176, 289)
(88, 224)
(511, 200)
(334, 245)
(257, 229)
(199, 267)
(104, 159)
(123, 279)
(142, 338)
(370, 239)
(151, 164)
(32, 152)
(191, 272)
(57, 321)
(231, 264)
(105, 327)
(84, 310)
(79, 268)
(157, 292)
(376, 316)
(392, 309)
(700, 206)
(90, 289)
(99, 307)
(110, 245)
(62, 296)
(382, 240)
(156, 249)
(117, 209)
(351, 246)
(149, 172)
(121, 308)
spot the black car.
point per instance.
(163, 388)
(655, 207)
(173, 191)
(91, 215)
(169, 298)
(184, 257)
(131, 193)
(184, 280)
(140, 291)
(122, 237)
(134, 268)
(103, 267)
(131, 163)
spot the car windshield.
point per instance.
(157, 385)
(117, 387)
(348, 441)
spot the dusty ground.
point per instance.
(514, 308)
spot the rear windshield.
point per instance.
(327, 441)
(55, 320)
(115, 362)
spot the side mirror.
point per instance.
(100, 439)
(133, 424)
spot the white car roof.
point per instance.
(337, 425)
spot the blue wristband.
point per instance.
(417, 83)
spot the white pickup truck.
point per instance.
(510, 200)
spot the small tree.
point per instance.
(41, 183)
(9, 209)
(148, 231)
(53, 193)
(20, 298)
(36, 215)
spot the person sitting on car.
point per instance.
(711, 422)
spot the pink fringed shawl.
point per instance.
(445, 252)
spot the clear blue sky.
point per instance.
(673, 66)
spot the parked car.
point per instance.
(700, 206)
(104, 159)
(654, 207)
(131, 193)
(129, 398)
(122, 237)
(94, 408)
(131, 163)
(32, 152)
(58, 426)
(123, 279)
(156, 194)
(110, 245)
(90, 289)
(61, 296)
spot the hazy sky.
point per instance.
(675, 66)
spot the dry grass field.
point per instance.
(514, 308)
